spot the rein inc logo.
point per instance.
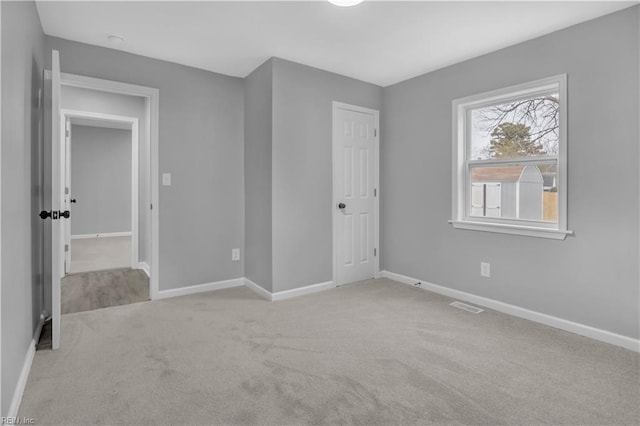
(18, 421)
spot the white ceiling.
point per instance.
(381, 42)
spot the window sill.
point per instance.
(528, 231)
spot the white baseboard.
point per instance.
(200, 288)
(145, 268)
(266, 294)
(103, 235)
(26, 368)
(287, 294)
(313, 288)
(562, 324)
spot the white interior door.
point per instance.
(67, 194)
(354, 176)
(57, 196)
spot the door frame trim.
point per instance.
(133, 122)
(376, 182)
(152, 111)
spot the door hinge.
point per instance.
(66, 190)
(66, 133)
(375, 192)
(375, 251)
(375, 133)
(66, 247)
(151, 206)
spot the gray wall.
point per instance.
(201, 144)
(22, 230)
(100, 180)
(302, 168)
(258, 95)
(591, 278)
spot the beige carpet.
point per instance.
(96, 254)
(94, 290)
(371, 353)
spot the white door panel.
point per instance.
(57, 178)
(67, 194)
(354, 148)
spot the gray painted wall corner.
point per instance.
(258, 97)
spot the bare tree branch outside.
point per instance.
(539, 115)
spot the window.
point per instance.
(509, 153)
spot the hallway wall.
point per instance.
(100, 180)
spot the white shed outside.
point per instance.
(529, 196)
(507, 191)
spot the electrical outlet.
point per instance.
(485, 269)
(235, 255)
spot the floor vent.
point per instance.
(466, 307)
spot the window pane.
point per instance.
(523, 128)
(517, 191)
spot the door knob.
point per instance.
(73, 200)
(342, 206)
(54, 214)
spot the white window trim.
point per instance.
(460, 220)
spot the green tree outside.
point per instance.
(513, 140)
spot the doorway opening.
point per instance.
(82, 93)
(100, 191)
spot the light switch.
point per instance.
(166, 179)
(485, 269)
